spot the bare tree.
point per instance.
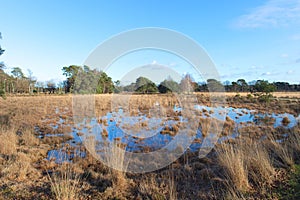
(31, 81)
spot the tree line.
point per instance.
(187, 84)
(84, 80)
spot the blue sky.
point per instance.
(246, 39)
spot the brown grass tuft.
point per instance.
(285, 121)
(233, 160)
(65, 183)
(8, 141)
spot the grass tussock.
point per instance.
(281, 153)
(65, 183)
(250, 165)
(150, 189)
(8, 141)
(293, 143)
(28, 138)
(17, 159)
(153, 187)
(260, 167)
(234, 163)
(247, 166)
(115, 158)
(19, 167)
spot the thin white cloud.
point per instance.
(172, 64)
(154, 62)
(269, 74)
(266, 74)
(255, 67)
(236, 75)
(284, 55)
(295, 37)
(274, 13)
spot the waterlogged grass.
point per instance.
(241, 166)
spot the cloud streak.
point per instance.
(270, 74)
(274, 13)
(290, 72)
(295, 37)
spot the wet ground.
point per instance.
(143, 132)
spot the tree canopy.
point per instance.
(17, 72)
(264, 86)
(187, 84)
(144, 85)
(83, 80)
(169, 86)
(214, 85)
(71, 74)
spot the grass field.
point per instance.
(243, 166)
(275, 94)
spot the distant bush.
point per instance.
(249, 96)
(265, 98)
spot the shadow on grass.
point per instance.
(291, 190)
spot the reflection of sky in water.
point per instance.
(133, 141)
(242, 115)
(150, 136)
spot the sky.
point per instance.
(257, 39)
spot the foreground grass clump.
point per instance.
(232, 159)
(261, 165)
(65, 183)
(247, 165)
(8, 142)
(18, 154)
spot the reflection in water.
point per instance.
(146, 132)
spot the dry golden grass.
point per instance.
(152, 187)
(285, 121)
(248, 164)
(293, 142)
(251, 164)
(19, 168)
(287, 94)
(149, 188)
(65, 183)
(228, 126)
(243, 94)
(115, 158)
(29, 138)
(260, 165)
(19, 154)
(281, 152)
(8, 142)
(233, 160)
(232, 194)
(172, 185)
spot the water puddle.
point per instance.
(144, 133)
